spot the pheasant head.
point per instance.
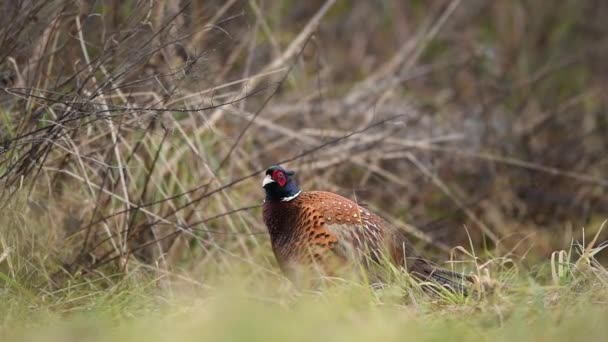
(280, 185)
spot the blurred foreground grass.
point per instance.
(562, 299)
(346, 313)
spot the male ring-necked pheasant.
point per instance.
(328, 231)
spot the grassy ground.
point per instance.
(350, 316)
(131, 310)
(560, 299)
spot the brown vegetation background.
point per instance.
(137, 130)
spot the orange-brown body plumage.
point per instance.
(331, 233)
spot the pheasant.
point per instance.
(323, 231)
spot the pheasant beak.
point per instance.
(267, 180)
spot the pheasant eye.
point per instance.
(279, 177)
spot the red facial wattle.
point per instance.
(279, 177)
